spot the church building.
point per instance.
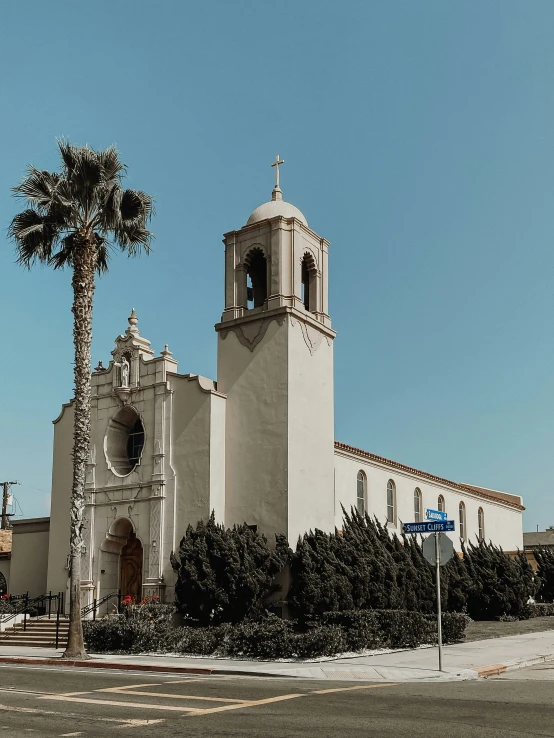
(255, 445)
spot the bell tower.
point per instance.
(275, 364)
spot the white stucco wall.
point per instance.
(310, 430)
(503, 523)
(256, 441)
(29, 563)
(198, 448)
(62, 476)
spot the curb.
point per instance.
(92, 664)
(496, 669)
(118, 666)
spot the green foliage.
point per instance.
(7, 607)
(541, 610)
(225, 575)
(545, 573)
(364, 567)
(82, 206)
(500, 585)
(273, 638)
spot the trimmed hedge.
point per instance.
(273, 638)
(541, 609)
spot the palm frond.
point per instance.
(38, 187)
(110, 216)
(34, 235)
(103, 257)
(64, 256)
(133, 239)
(112, 167)
(136, 206)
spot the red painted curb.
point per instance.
(92, 664)
(491, 670)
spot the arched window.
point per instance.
(440, 504)
(417, 505)
(391, 502)
(256, 278)
(308, 276)
(481, 524)
(361, 497)
(462, 514)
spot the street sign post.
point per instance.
(438, 550)
(440, 526)
(435, 515)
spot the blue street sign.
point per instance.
(429, 527)
(435, 515)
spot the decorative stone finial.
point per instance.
(133, 322)
(100, 367)
(166, 353)
(277, 194)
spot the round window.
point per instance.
(124, 441)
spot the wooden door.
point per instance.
(131, 568)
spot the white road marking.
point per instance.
(68, 735)
(118, 690)
(113, 703)
(127, 723)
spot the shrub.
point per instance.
(319, 640)
(7, 607)
(361, 628)
(200, 641)
(453, 627)
(405, 629)
(541, 609)
(545, 573)
(273, 638)
(149, 610)
(270, 638)
(500, 585)
(225, 575)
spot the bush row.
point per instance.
(272, 637)
(540, 609)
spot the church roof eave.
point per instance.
(473, 492)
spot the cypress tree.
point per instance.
(497, 586)
(224, 575)
(545, 573)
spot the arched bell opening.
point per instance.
(256, 278)
(309, 282)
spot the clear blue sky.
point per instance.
(418, 139)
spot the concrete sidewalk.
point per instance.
(461, 662)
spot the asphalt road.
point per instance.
(90, 703)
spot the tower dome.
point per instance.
(276, 206)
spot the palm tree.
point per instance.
(73, 219)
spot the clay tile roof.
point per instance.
(474, 491)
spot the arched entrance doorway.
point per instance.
(130, 573)
(121, 560)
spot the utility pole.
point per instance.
(5, 515)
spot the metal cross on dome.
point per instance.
(276, 164)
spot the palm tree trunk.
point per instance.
(84, 267)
